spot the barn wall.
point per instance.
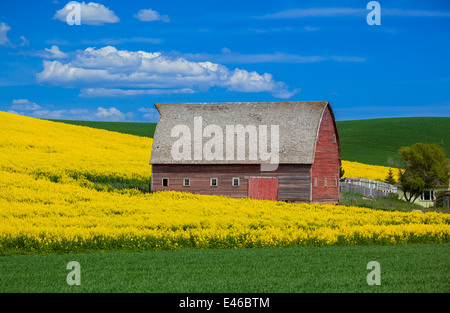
(293, 179)
(327, 160)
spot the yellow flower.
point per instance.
(48, 202)
(360, 170)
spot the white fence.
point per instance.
(367, 187)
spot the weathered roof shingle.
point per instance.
(298, 127)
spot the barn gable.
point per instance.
(327, 161)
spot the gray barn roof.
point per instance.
(298, 127)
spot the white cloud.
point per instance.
(227, 56)
(4, 40)
(104, 41)
(99, 70)
(4, 28)
(244, 81)
(310, 28)
(315, 12)
(25, 41)
(49, 114)
(48, 53)
(111, 114)
(150, 16)
(53, 53)
(24, 105)
(149, 114)
(28, 108)
(339, 12)
(119, 41)
(90, 14)
(100, 114)
(115, 92)
(415, 13)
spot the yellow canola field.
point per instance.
(39, 216)
(360, 170)
(48, 203)
(61, 151)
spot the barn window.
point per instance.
(213, 182)
(334, 138)
(335, 182)
(235, 182)
(325, 182)
(165, 182)
(326, 116)
(315, 182)
(186, 182)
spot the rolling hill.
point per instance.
(131, 128)
(375, 141)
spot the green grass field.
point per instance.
(373, 141)
(410, 268)
(404, 268)
(138, 129)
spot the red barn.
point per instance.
(266, 150)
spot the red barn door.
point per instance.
(263, 188)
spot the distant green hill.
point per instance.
(138, 129)
(372, 141)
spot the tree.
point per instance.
(424, 167)
(390, 179)
(341, 174)
(439, 198)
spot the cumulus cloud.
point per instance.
(4, 28)
(111, 114)
(244, 81)
(90, 14)
(150, 16)
(96, 70)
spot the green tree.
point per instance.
(424, 166)
(390, 179)
(341, 174)
(439, 198)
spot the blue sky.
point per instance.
(127, 55)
